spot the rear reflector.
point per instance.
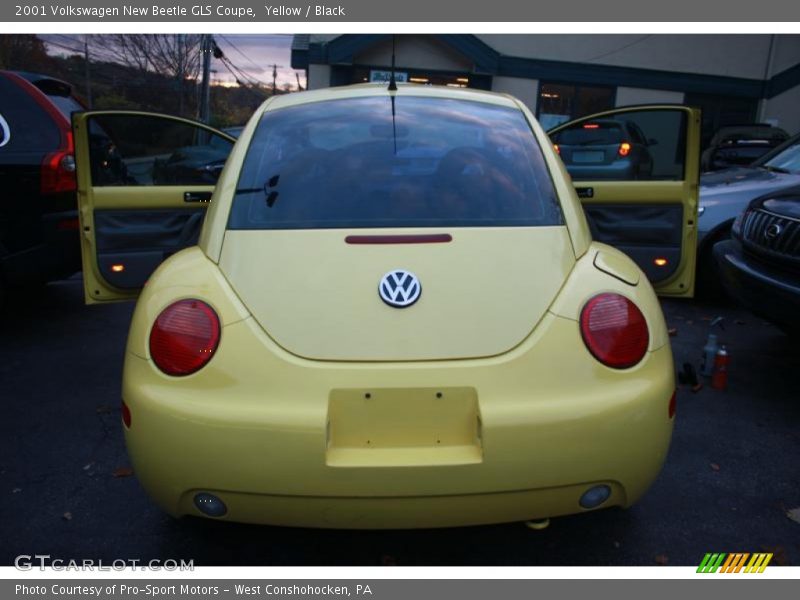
(672, 405)
(614, 330)
(126, 415)
(184, 337)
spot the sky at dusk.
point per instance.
(252, 54)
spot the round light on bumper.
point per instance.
(210, 505)
(595, 496)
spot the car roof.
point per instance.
(368, 90)
(759, 130)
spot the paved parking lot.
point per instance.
(732, 476)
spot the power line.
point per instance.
(619, 49)
(240, 75)
(64, 47)
(249, 76)
(239, 81)
(247, 58)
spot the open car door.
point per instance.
(636, 172)
(144, 181)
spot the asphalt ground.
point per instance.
(730, 483)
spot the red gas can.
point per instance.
(719, 379)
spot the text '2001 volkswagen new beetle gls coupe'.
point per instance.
(393, 313)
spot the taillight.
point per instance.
(58, 170)
(614, 330)
(184, 337)
(624, 149)
(557, 149)
(673, 405)
(68, 225)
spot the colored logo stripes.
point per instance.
(734, 562)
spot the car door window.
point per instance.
(647, 145)
(140, 150)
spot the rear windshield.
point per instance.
(66, 105)
(591, 134)
(417, 162)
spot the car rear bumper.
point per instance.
(771, 294)
(286, 441)
(57, 255)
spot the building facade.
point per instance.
(733, 78)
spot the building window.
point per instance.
(560, 102)
(364, 74)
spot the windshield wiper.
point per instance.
(772, 169)
(267, 187)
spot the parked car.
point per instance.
(38, 212)
(740, 145)
(394, 315)
(200, 163)
(725, 194)
(604, 149)
(234, 131)
(761, 264)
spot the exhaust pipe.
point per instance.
(538, 525)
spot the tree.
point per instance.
(23, 53)
(166, 54)
(172, 55)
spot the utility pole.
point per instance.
(275, 68)
(205, 94)
(88, 72)
(297, 76)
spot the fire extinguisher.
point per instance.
(719, 379)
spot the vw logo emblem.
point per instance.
(773, 231)
(399, 288)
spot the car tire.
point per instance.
(708, 280)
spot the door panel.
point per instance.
(636, 172)
(143, 184)
(641, 230)
(132, 243)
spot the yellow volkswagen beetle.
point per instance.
(393, 313)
